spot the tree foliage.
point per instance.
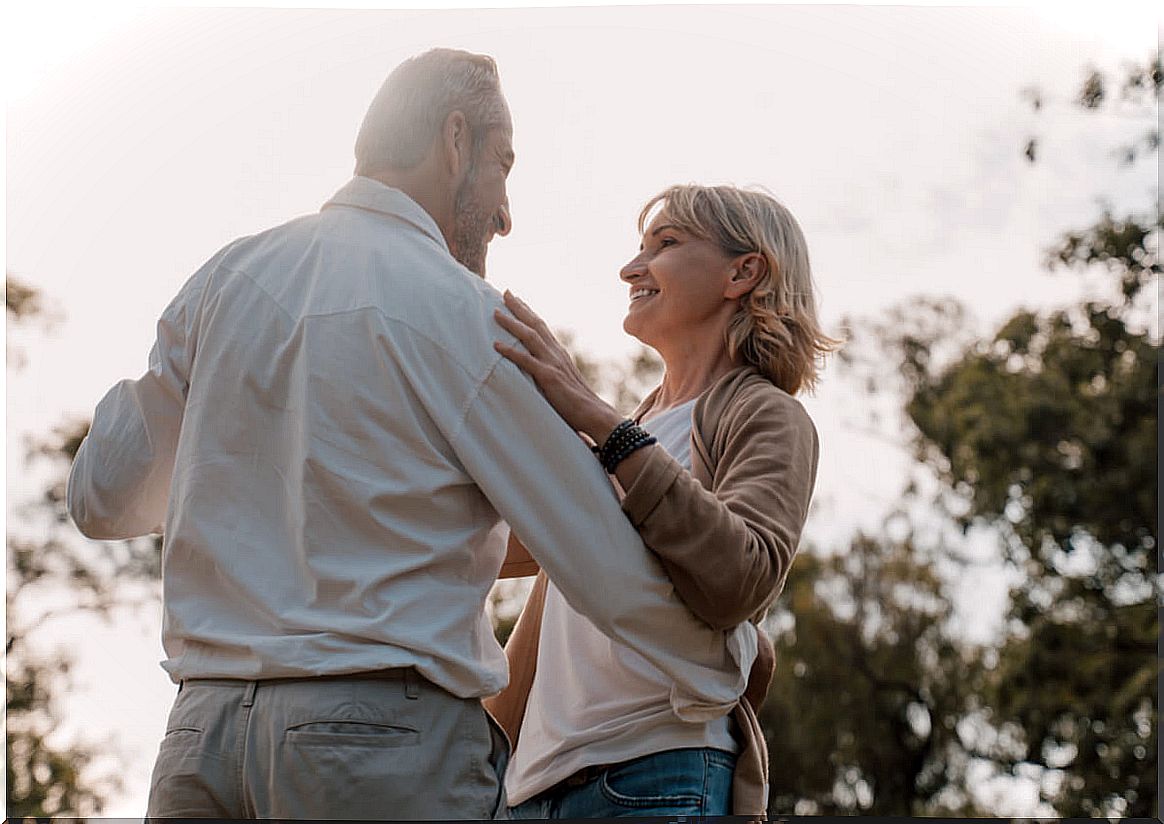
(1133, 93)
(1064, 465)
(870, 687)
(20, 299)
(1046, 433)
(51, 574)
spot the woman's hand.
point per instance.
(553, 370)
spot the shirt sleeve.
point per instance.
(119, 486)
(544, 481)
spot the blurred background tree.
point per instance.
(1046, 434)
(53, 573)
(870, 686)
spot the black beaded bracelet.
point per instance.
(614, 460)
(617, 441)
(626, 438)
(622, 435)
(616, 434)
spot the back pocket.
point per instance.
(344, 733)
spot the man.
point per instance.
(328, 439)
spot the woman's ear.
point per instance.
(747, 272)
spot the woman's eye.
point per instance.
(668, 241)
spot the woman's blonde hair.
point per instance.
(776, 329)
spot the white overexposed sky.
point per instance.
(141, 140)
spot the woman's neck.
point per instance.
(689, 374)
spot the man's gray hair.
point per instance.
(411, 106)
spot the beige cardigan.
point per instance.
(726, 534)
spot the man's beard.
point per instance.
(471, 226)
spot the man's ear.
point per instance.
(747, 271)
(456, 143)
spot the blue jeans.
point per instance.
(695, 782)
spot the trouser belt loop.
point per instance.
(411, 690)
(249, 694)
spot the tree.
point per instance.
(51, 573)
(1046, 433)
(870, 686)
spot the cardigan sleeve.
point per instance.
(728, 550)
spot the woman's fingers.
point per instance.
(544, 358)
(528, 364)
(523, 359)
(519, 330)
(525, 325)
(518, 306)
(526, 315)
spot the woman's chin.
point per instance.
(634, 327)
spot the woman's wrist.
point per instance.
(601, 423)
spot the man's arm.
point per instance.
(545, 482)
(119, 486)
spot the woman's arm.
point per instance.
(728, 550)
(521, 650)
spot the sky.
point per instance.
(141, 140)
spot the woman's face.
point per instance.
(677, 284)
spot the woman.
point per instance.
(717, 483)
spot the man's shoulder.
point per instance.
(241, 251)
(394, 260)
(343, 260)
(413, 282)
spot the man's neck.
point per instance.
(423, 187)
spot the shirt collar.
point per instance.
(374, 196)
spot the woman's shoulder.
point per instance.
(746, 394)
(747, 415)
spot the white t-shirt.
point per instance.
(595, 701)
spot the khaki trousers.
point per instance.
(381, 746)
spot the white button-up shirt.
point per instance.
(329, 438)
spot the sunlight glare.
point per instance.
(1121, 24)
(40, 39)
